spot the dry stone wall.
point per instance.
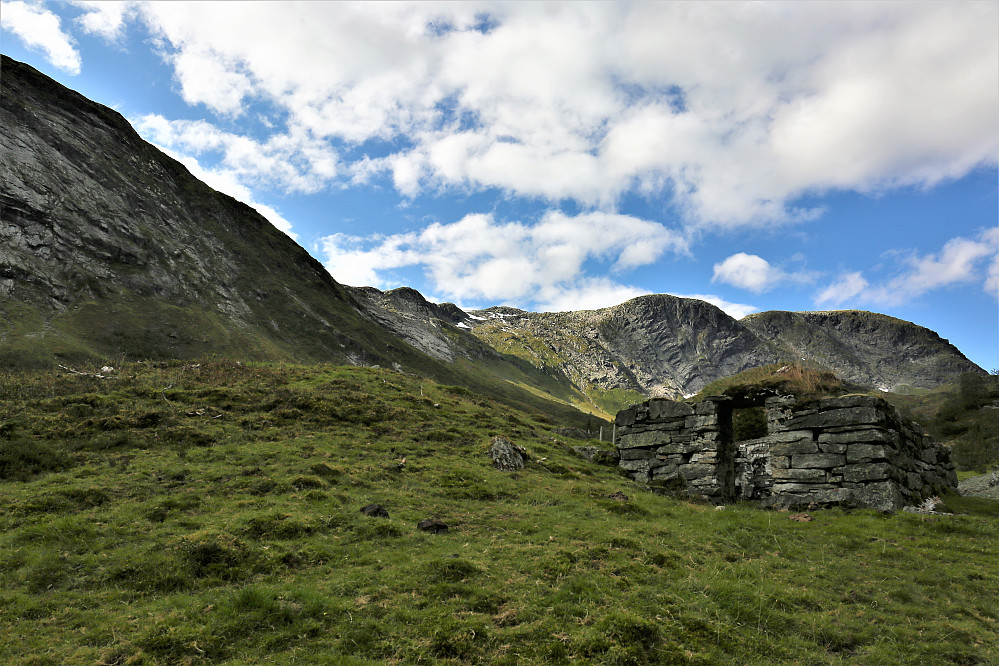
(852, 450)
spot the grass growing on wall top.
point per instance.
(210, 515)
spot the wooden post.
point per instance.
(601, 433)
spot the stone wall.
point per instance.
(853, 450)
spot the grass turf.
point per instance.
(210, 513)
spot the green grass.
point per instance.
(964, 415)
(211, 514)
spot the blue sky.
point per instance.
(761, 156)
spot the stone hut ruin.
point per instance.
(854, 451)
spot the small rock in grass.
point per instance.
(800, 517)
(506, 455)
(375, 510)
(432, 525)
(619, 496)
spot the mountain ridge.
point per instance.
(110, 247)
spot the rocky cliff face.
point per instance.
(655, 345)
(667, 346)
(108, 246)
(864, 347)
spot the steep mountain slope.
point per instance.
(864, 347)
(109, 248)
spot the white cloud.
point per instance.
(209, 79)
(588, 294)
(104, 18)
(40, 30)
(959, 261)
(735, 110)
(754, 273)
(992, 278)
(846, 288)
(478, 258)
(296, 162)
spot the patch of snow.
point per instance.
(462, 324)
(477, 318)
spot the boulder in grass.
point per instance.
(506, 455)
(432, 525)
(375, 511)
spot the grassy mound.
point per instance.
(210, 513)
(784, 378)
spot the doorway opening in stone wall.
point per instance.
(744, 466)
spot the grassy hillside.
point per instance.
(965, 415)
(210, 513)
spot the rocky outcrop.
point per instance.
(986, 485)
(435, 329)
(853, 450)
(657, 345)
(110, 247)
(667, 346)
(864, 347)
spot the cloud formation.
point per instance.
(960, 261)
(40, 30)
(754, 273)
(588, 102)
(292, 162)
(480, 258)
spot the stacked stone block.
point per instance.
(853, 450)
(674, 444)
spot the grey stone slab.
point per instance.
(666, 473)
(781, 488)
(858, 453)
(788, 436)
(852, 402)
(637, 454)
(831, 447)
(860, 435)
(678, 448)
(652, 438)
(626, 417)
(635, 465)
(839, 417)
(704, 408)
(696, 421)
(692, 472)
(866, 472)
(662, 410)
(817, 460)
(799, 475)
(801, 446)
(882, 496)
